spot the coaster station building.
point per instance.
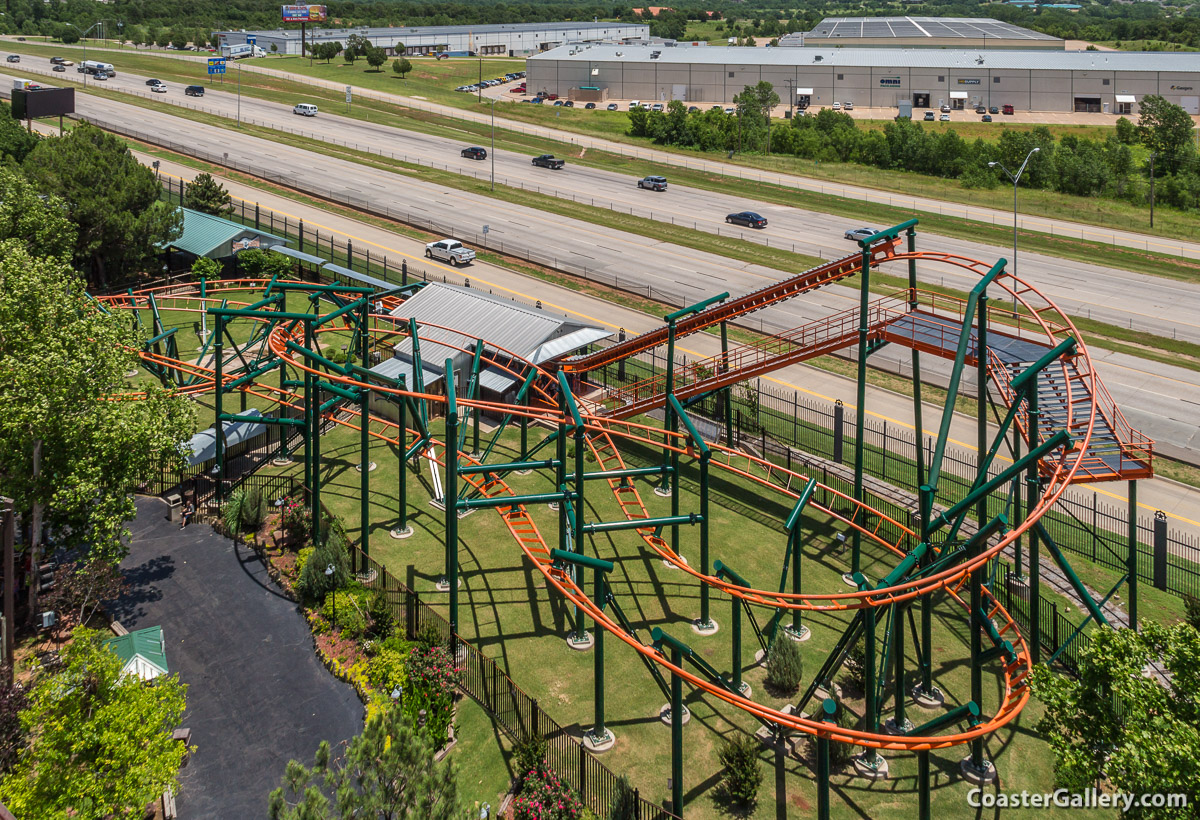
(1044, 80)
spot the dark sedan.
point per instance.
(474, 152)
(747, 218)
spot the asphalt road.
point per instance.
(1128, 300)
(257, 695)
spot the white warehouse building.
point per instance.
(501, 40)
(1093, 81)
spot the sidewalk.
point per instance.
(1180, 502)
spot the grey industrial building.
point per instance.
(1098, 81)
(512, 40)
(920, 32)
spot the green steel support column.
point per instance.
(974, 547)
(668, 483)
(1132, 569)
(283, 455)
(676, 734)
(674, 491)
(475, 431)
(871, 705)
(1032, 491)
(728, 392)
(828, 711)
(316, 438)
(600, 734)
(364, 445)
(927, 689)
(219, 392)
(735, 617)
(916, 359)
(981, 371)
(706, 621)
(402, 529)
(923, 785)
(1017, 515)
(451, 499)
(860, 411)
(900, 721)
(524, 428)
(794, 540)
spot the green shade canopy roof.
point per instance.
(142, 652)
(212, 236)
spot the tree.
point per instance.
(80, 587)
(179, 40)
(387, 771)
(376, 57)
(356, 46)
(1166, 129)
(205, 268)
(110, 196)
(401, 66)
(163, 38)
(100, 743)
(260, 264)
(1153, 743)
(274, 48)
(136, 34)
(13, 700)
(349, 56)
(61, 359)
(206, 195)
(40, 225)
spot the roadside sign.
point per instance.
(252, 39)
(347, 95)
(216, 65)
(485, 229)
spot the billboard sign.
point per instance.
(891, 82)
(303, 14)
(216, 65)
(31, 103)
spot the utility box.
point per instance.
(905, 107)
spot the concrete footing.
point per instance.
(710, 628)
(977, 776)
(580, 641)
(873, 770)
(598, 745)
(664, 714)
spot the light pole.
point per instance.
(239, 110)
(329, 570)
(1015, 179)
(493, 143)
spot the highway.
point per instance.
(1160, 400)
(1147, 303)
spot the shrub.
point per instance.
(396, 643)
(1191, 607)
(545, 797)
(856, 666)
(296, 520)
(840, 753)
(387, 670)
(743, 772)
(231, 511)
(429, 635)
(253, 510)
(302, 560)
(345, 609)
(624, 803)
(432, 680)
(784, 664)
(529, 758)
(380, 612)
(314, 584)
(13, 700)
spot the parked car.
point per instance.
(692, 109)
(715, 108)
(855, 234)
(837, 106)
(450, 250)
(1008, 109)
(979, 109)
(611, 107)
(568, 103)
(558, 103)
(656, 107)
(59, 68)
(305, 109)
(945, 109)
(847, 106)
(161, 88)
(993, 110)
(587, 107)
(474, 152)
(194, 91)
(930, 116)
(944, 118)
(548, 161)
(537, 100)
(731, 111)
(746, 218)
(653, 183)
(153, 82)
(14, 58)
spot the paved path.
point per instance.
(257, 695)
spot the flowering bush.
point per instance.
(432, 679)
(387, 670)
(346, 609)
(296, 520)
(545, 797)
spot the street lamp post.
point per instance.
(1015, 179)
(493, 143)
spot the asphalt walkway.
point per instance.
(257, 695)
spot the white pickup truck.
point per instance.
(450, 250)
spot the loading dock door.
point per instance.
(1087, 105)
(1190, 104)
(920, 99)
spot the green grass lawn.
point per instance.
(507, 610)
